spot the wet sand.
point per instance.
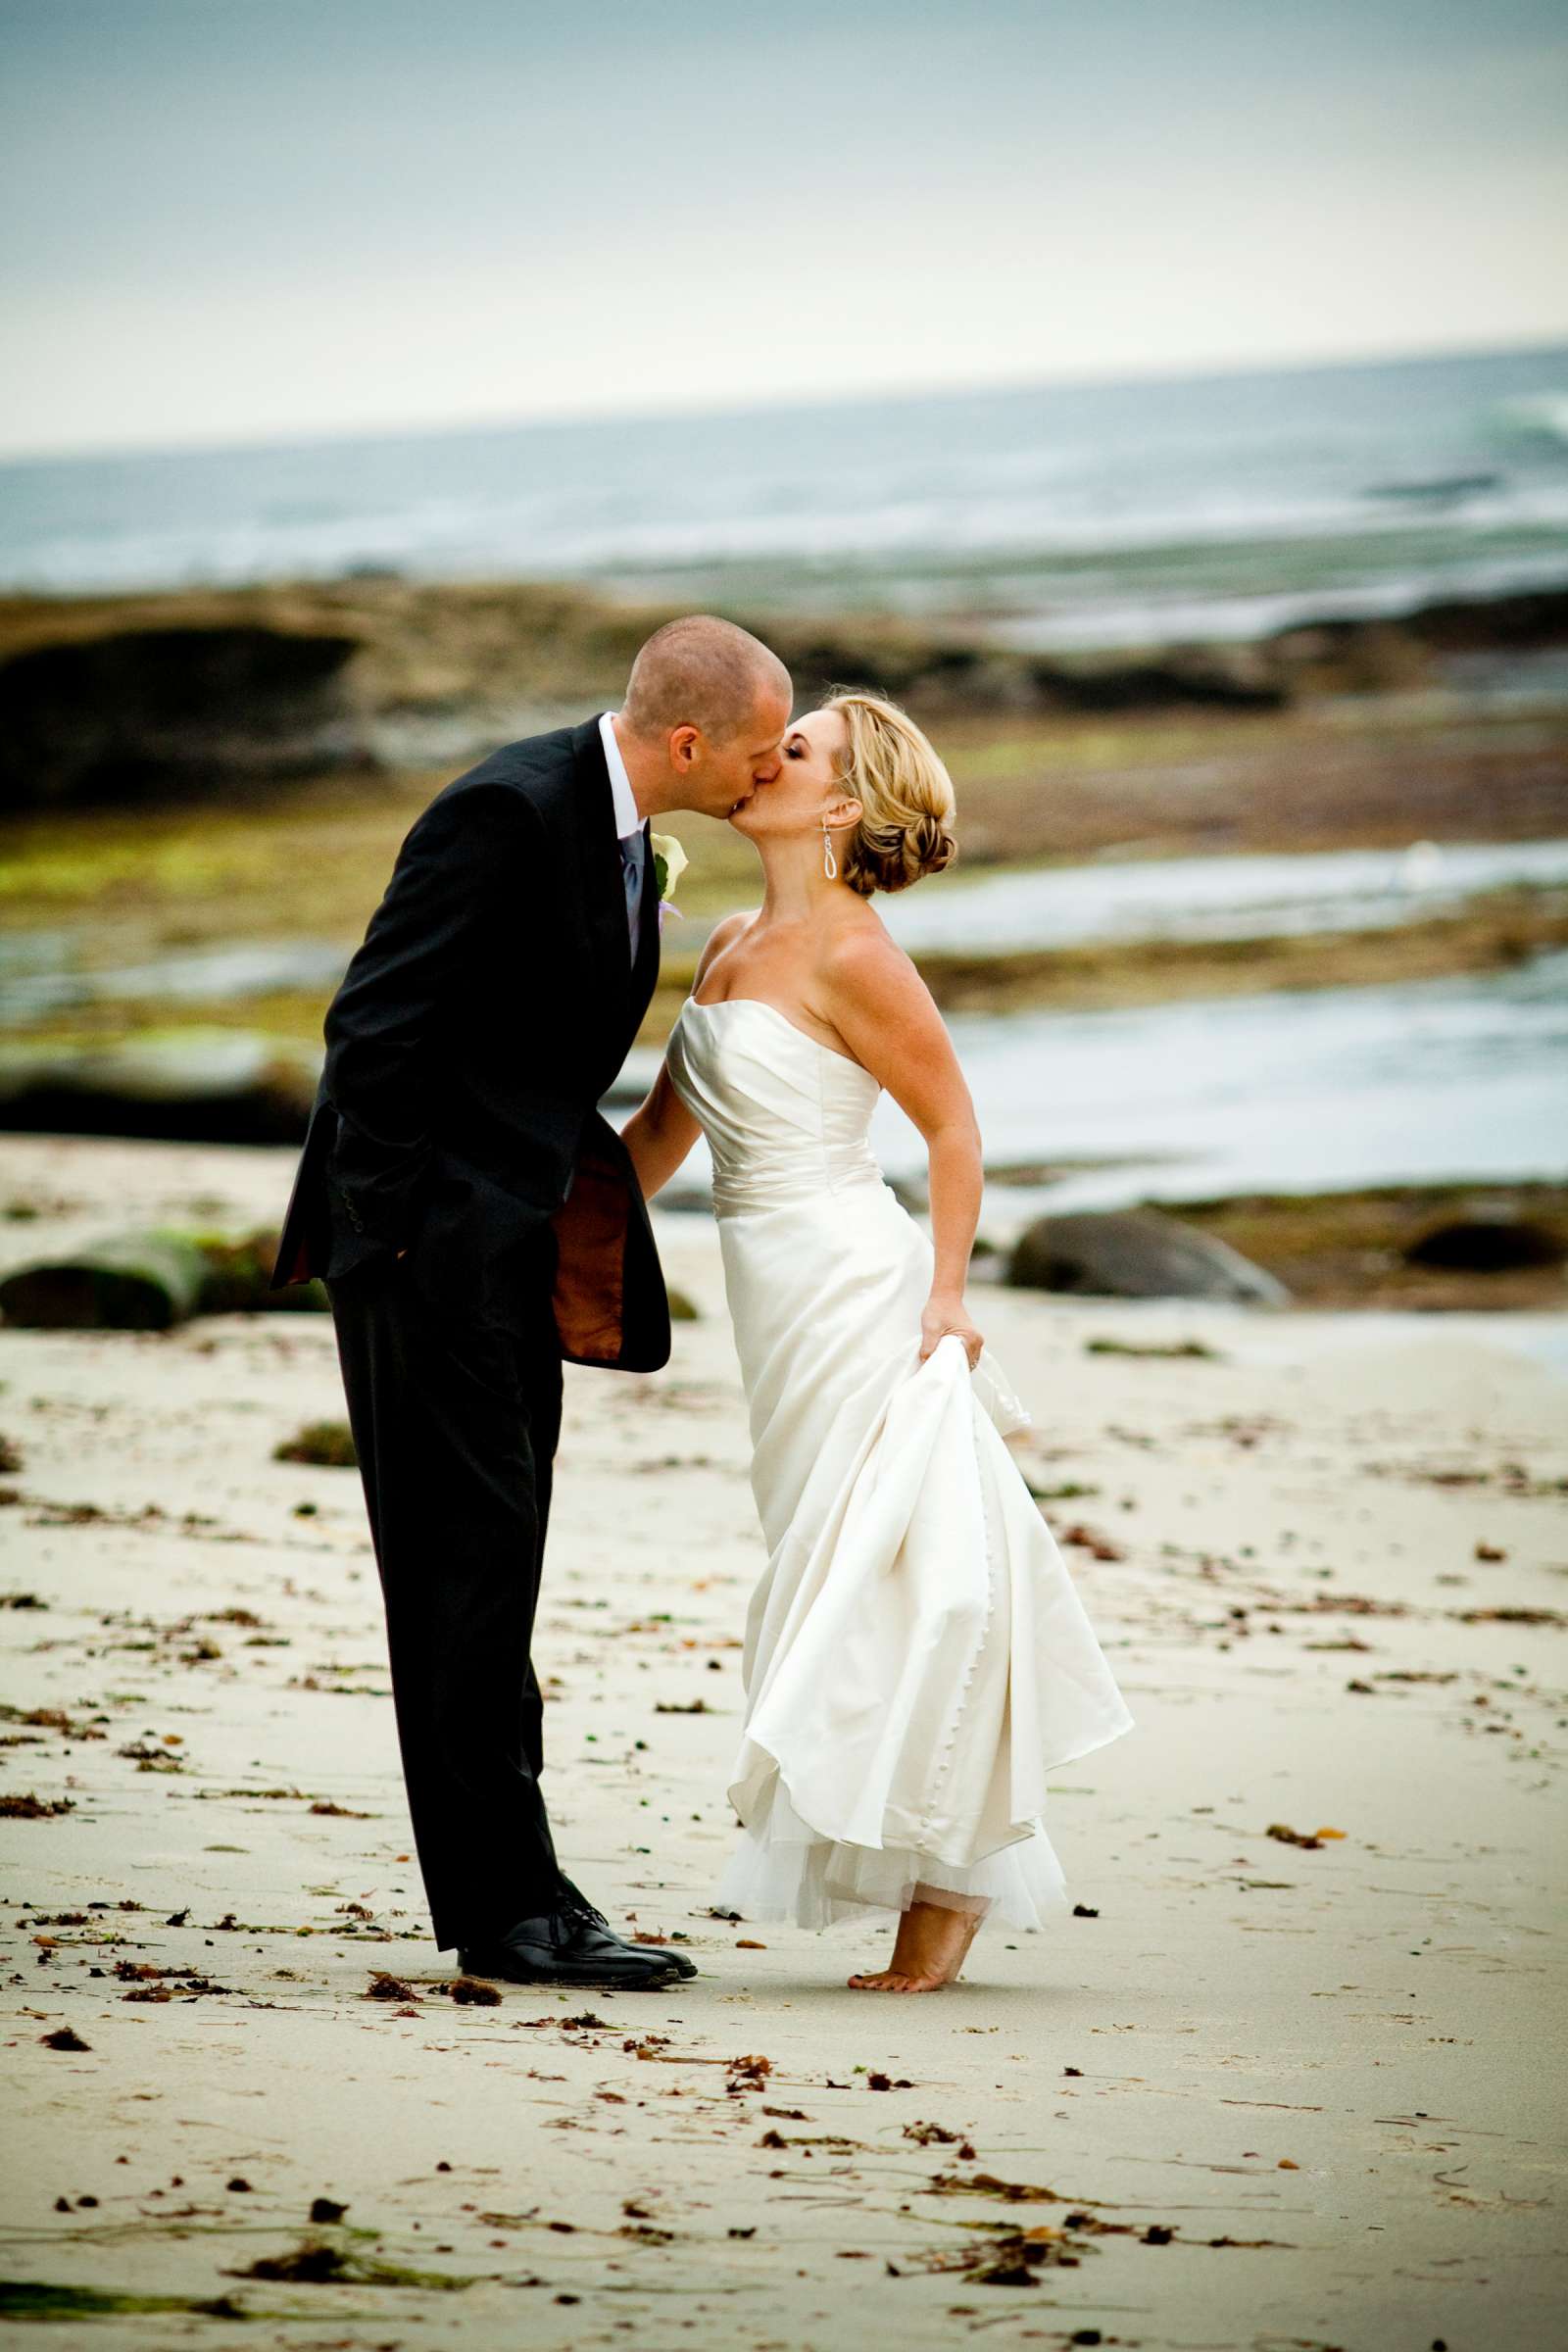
(1255, 2092)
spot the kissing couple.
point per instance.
(917, 1657)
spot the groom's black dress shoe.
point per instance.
(571, 1945)
(678, 1961)
(567, 1948)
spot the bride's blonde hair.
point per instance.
(905, 794)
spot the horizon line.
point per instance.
(904, 395)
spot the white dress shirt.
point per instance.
(629, 826)
(627, 820)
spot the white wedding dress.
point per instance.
(917, 1656)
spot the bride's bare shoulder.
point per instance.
(723, 935)
(863, 957)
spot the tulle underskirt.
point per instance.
(781, 1869)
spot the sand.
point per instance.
(1255, 2094)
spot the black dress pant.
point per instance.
(456, 1413)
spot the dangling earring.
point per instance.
(830, 864)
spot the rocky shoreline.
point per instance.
(115, 699)
(183, 764)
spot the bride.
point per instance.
(917, 1656)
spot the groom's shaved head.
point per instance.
(701, 671)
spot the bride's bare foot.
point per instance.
(933, 1943)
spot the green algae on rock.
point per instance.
(328, 1445)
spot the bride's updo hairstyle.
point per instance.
(903, 790)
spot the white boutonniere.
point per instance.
(669, 863)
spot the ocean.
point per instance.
(1056, 517)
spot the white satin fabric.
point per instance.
(917, 1656)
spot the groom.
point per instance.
(476, 1222)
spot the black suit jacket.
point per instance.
(488, 1009)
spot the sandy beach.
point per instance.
(1252, 2093)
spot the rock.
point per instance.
(126, 1282)
(1185, 673)
(239, 1278)
(149, 1280)
(192, 1085)
(1529, 617)
(1334, 654)
(327, 1444)
(1136, 1254)
(146, 713)
(1486, 1245)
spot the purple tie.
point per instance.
(633, 864)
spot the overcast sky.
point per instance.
(232, 219)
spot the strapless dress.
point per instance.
(916, 1659)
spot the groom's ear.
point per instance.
(683, 747)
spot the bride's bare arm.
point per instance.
(661, 1131)
(658, 1135)
(882, 1009)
